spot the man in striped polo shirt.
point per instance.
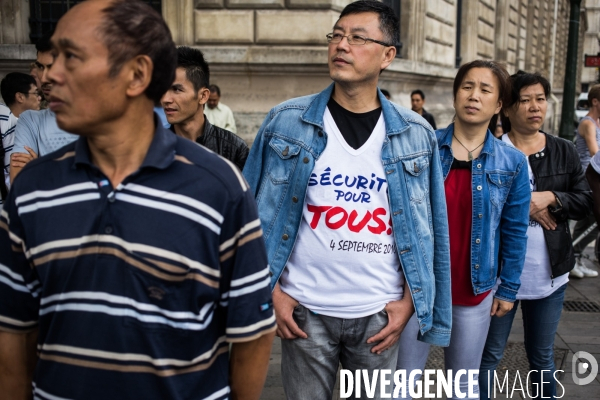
(131, 258)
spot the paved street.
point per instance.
(577, 331)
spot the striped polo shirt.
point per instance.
(137, 290)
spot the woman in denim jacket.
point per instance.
(487, 196)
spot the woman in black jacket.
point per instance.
(559, 192)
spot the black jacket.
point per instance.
(225, 143)
(557, 169)
(429, 118)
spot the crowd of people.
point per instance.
(156, 258)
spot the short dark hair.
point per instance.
(520, 80)
(388, 21)
(43, 44)
(385, 93)
(499, 71)
(419, 92)
(131, 28)
(215, 89)
(196, 68)
(13, 83)
(594, 93)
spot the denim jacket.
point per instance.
(278, 170)
(501, 196)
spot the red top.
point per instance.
(459, 201)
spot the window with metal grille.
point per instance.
(44, 14)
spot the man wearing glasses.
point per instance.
(351, 200)
(37, 133)
(19, 92)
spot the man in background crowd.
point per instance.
(417, 101)
(20, 93)
(37, 133)
(184, 107)
(218, 113)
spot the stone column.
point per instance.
(468, 33)
(14, 27)
(412, 25)
(179, 17)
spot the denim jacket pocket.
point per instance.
(417, 177)
(280, 168)
(499, 187)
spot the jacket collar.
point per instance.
(394, 121)
(445, 140)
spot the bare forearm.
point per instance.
(17, 362)
(248, 367)
(13, 172)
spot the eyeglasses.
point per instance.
(353, 40)
(35, 93)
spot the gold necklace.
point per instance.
(468, 151)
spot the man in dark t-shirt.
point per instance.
(417, 101)
(347, 185)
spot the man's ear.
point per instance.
(388, 57)
(139, 73)
(203, 95)
(20, 97)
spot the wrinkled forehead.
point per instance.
(81, 25)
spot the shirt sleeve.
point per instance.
(245, 289)
(19, 283)
(7, 129)
(26, 133)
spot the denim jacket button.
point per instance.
(477, 241)
(476, 266)
(479, 187)
(285, 236)
(305, 160)
(285, 151)
(478, 165)
(295, 199)
(480, 216)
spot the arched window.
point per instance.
(44, 14)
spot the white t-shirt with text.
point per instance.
(344, 263)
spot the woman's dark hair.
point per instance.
(499, 71)
(521, 80)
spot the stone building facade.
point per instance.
(263, 52)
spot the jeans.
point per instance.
(580, 227)
(469, 330)
(309, 366)
(540, 322)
